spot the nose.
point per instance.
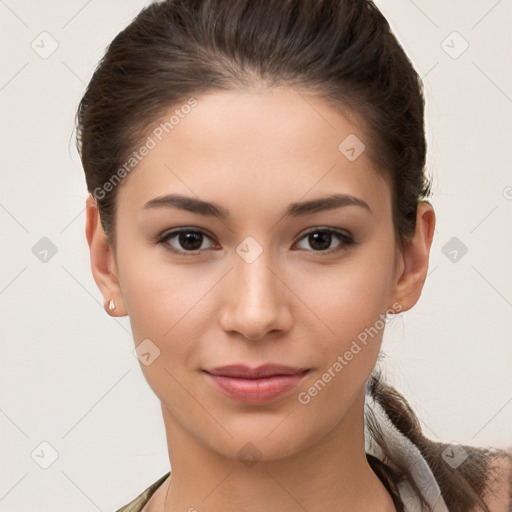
(255, 300)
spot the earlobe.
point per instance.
(415, 258)
(102, 259)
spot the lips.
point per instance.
(266, 370)
(255, 385)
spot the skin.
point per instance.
(253, 153)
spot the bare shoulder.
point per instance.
(498, 489)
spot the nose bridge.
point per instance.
(254, 303)
(255, 280)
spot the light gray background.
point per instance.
(67, 373)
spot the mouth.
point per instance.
(255, 385)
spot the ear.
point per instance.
(103, 264)
(413, 260)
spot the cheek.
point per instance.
(166, 304)
(156, 294)
(161, 309)
(351, 297)
(350, 302)
(355, 313)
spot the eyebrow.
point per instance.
(297, 209)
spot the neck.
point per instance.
(331, 474)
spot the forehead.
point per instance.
(266, 145)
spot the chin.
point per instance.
(263, 441)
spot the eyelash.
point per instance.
(163, 240)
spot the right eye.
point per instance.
(190, 240)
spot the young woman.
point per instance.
(258, 208)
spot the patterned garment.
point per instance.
(140, 501)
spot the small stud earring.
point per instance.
(111, 305)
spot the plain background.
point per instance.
(68, 376)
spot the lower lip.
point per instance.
(255, 391)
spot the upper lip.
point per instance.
(266, 370)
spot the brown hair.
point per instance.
(342, 51)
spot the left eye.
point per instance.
(322, 238)
(192, 240)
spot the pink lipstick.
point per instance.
(255, 385)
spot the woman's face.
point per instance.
(265, 283)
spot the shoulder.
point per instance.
(498, 486)
(141, 502)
